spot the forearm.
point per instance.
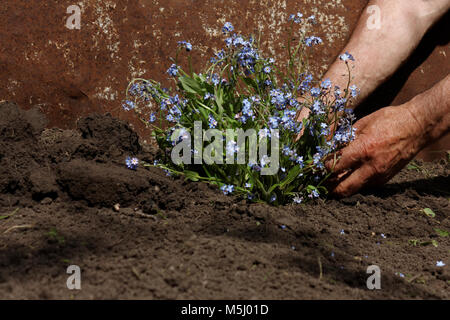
(431, 110)
(380, 51)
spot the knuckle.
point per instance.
(379, 168)
(365, 151)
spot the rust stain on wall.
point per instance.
(71, 73)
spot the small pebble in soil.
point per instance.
(342, 231)
(46, 201)
(116, 207)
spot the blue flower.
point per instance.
(346, 56)
(228, 27)
(273, 122)
(309, 41)
(315, 92)
(239, 41)
(171, 118)
(312, 19)
(152, 117)
(354, 91)
(297, 18)
(128, 105)
(337, 92)
(294, 103)
(186, 44)
(314, 194)
(135, 89)
(316, 160)
(247, 111)
(248, 185)
(306, 82)
(175, 99)
(212, 122)
(227, 189)
(265, 160)
(173, 70)
(267, 70)
(228, 42)
(208, 96)
(232, 147)
(317, 107)
(299, 161)
(342, 232)
(440, 264)
(298, 200)
(273, 198)
(287, 151)
(324, 129)
(215, 79)
(264, 133)
(183, 134)
(326, 84)
(132, 163)
(254, 167)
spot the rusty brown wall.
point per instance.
(70, 73)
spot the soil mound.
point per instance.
(86, 164)
(171, 239)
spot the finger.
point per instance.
(354, 182)
(347, 158)
(303, 114)
(335, 180)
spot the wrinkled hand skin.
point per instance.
(388, 139)
(385, 142)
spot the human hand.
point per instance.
(385, 142)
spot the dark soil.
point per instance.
(173, 239)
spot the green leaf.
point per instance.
(413, 166)
(429, 212)
(190, 85)
(415, 243)
(9, 215)
(218, 93)
(250, 82)
(292, 175)
(441, 232)
(191, 175)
